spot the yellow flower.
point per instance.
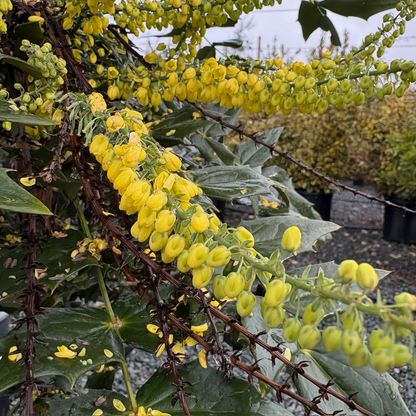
(27, 181)
(64, 352)
(150, 57)
(179, 351)
(189, 73)
(199, 222)
(118, 404)
(97, 103)
(112, 72)
(115, 123)
(99, 144)
(157, 200)
(197, 255)
(165, 221)
(244, 235)
(291, 240)
(171, 65)
(16, 356)
(202, 358)
(134, 156)
(108, 353)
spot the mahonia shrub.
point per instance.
(110, 241)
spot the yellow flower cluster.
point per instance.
(146, 178)
(94, 247)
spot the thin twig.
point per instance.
(252, 136)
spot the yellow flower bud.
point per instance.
(174, 246)
(201, 276)
(243, 235)
(182, 263)
(164, 180)
(291, 240)
(141, 233)
(199, 222)
(172, 162)
(146, 217)
(124, 180)
(157, 200)
(218, 256)
(214, 222)
(99, 144)
(112, 72)
(197, 255)
(115, 123)
(347, 271)
(189, 73)
(134, 156)
(276, 292)
(367, 277)
(233, 285)
(113, 92)
(116, 168)
(165, 221)
(158, 240)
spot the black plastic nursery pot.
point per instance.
(399, 226)
(321, 202)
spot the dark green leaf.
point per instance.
(84, 405)
(54, 260)
(85, 327)
(216, 396)
(359, 8)
(232, 43)
(268, 232)
(30, 31)
(377, 393)
(206, 52)
(14, 198)
(201, 143)
(253, 154)
(312, 17)
(181, 121)
(21, 64)
(231, 182)
(20, 117)
(222, 151)
(134, 315)
(210, 148)
(255, 324)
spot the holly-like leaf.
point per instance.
(181, 123)
(87, 328)
(312, 17)
(255, 324)
(376, 392)
(268, 232)
(134, 316)
(231, 182)
(85, 404)
(253, 154)
(14, 198)
(55, 266)
(231, 43)
(216, 396)
(358, 8)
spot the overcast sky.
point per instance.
(280, 22)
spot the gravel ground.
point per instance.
(360, 239)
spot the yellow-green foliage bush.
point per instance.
(342, 144)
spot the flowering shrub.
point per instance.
(118, 245)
